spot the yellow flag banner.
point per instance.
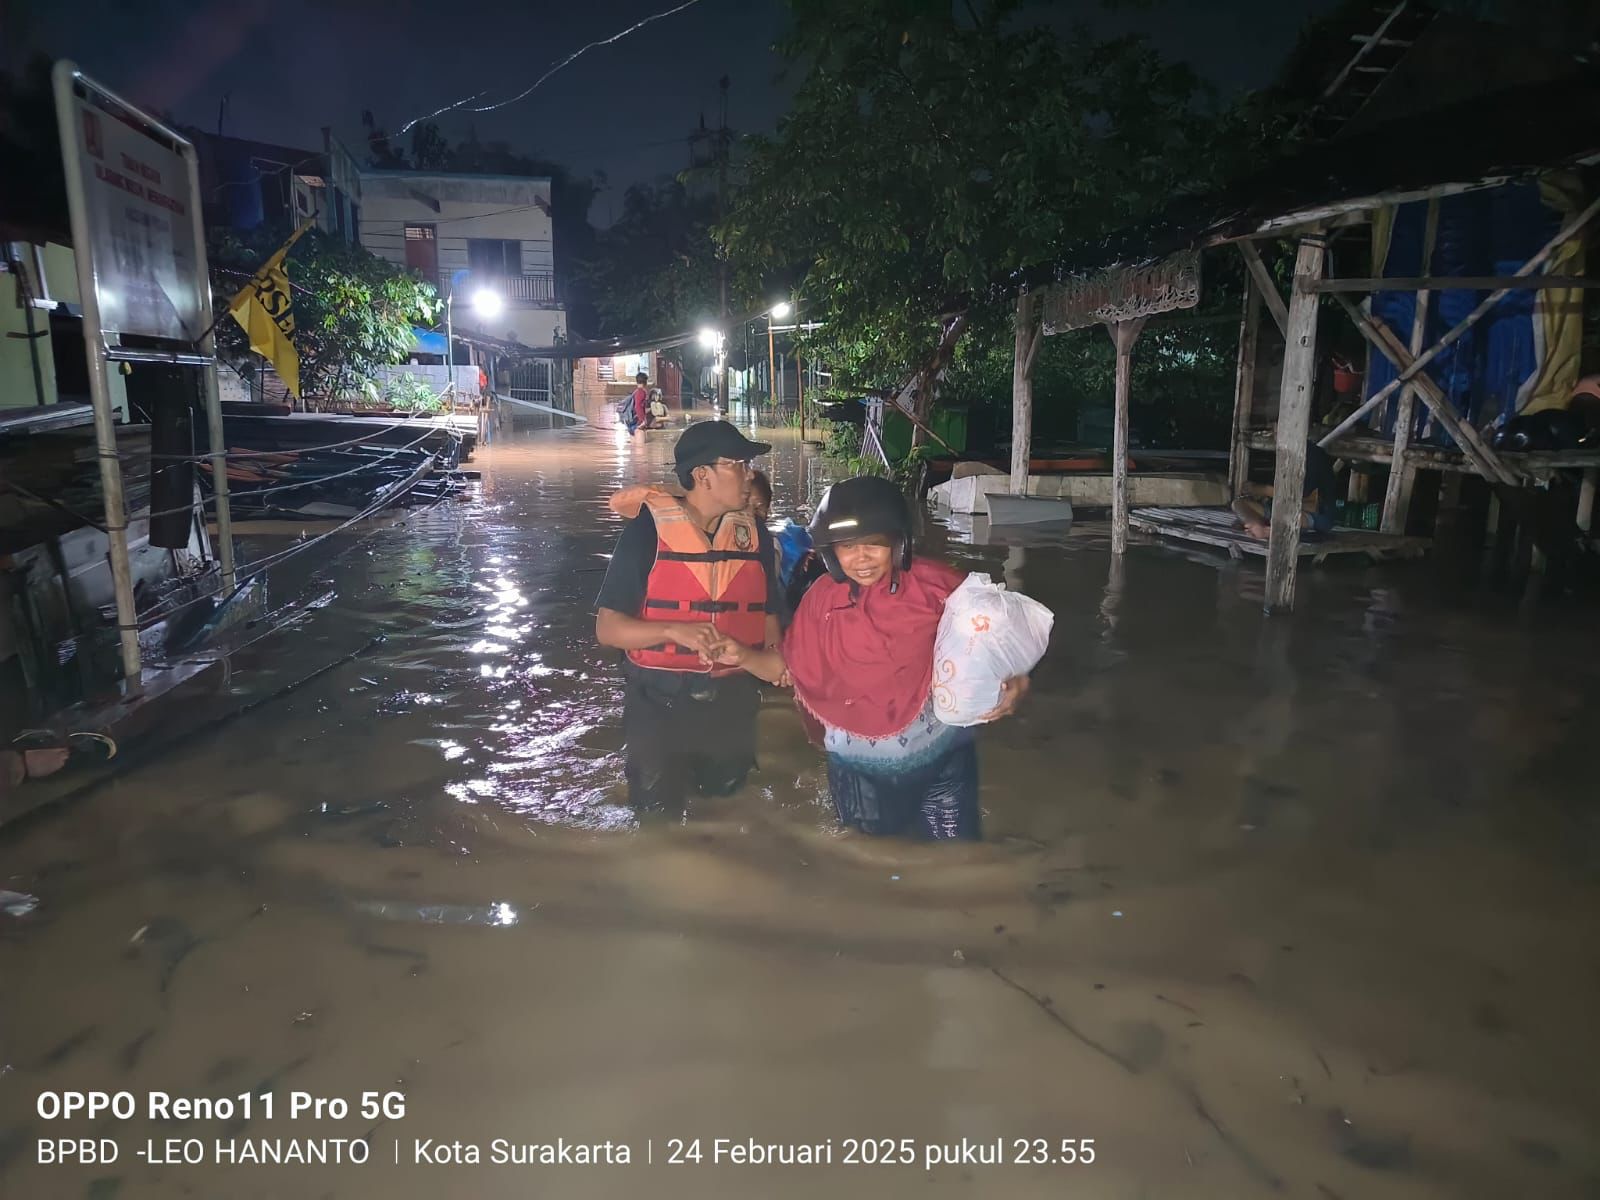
(265, 311)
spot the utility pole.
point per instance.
(722, 258)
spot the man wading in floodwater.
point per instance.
(688, 576)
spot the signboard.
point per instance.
(1123, 293)
(137, 189)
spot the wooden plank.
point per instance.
(1294, 424)
(1124, 334)
(1466, 283)
(1218, 527)
(1244, 387)
(1264, 281)
(1484, 461)
(1567, 231)
(1022, 391)
(1402, 475)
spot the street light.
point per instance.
(781, 309)
(488, 303)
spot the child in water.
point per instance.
(859, 655)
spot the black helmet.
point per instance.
(861, 507)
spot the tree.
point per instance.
(353, 310)
(926, 157)
(931, 158)
(654, 270)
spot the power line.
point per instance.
(616, 37)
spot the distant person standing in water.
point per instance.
(640, 401)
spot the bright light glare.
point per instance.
(782, 309)
(487, 303)
(709, 338)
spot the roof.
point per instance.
(1484, 141)
(400, 173)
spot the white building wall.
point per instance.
(461, 207)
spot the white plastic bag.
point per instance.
(986, 636)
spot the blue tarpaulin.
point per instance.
(428, 342)
(1488, 232)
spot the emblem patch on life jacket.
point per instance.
(741, 537)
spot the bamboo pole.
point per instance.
(1567, 231)
(1244, 387)
(1265, 283)
(800, 390)
(1402, 475)
(1466, 283)
(1483, 459)
(1124, 334)
(1294, 424)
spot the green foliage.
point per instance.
(353, 310)
(654, 270)
(409, 393)
(933, 151)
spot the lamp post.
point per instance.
(486, 304)
(713, 340)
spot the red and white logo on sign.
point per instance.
(91, 135)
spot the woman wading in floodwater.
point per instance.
(860, 657)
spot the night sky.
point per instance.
(289, 67)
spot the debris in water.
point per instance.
(894, 877)
(959, 957)
(1116, 912)
(17, 904)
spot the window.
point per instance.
(494, 256)
(605, 369)
(422, 250)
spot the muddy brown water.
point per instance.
(1300, 907)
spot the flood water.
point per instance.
(1294, 907)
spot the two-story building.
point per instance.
(468, 233)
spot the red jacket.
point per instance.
(641, 405)
(720, 579)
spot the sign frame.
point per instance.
(72, 89)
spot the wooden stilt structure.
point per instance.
(1294, 425)
(1402, 475)
(1123, 334)
(1244, 388)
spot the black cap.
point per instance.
(706, 441)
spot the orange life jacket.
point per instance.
(720, 579)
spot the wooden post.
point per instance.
(1586, 498)
(1124, 334)
(1265, 285)
(1027, 344)
(1402, 475)
(1244, 388)
(800, 391)
(1294, 424)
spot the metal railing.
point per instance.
(538, 287)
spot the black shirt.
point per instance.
(624, 587)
